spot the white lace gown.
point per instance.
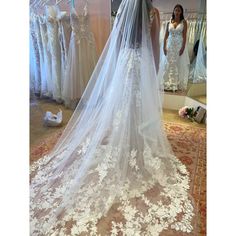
(81, 60)
(64, 38)
(198, 66)
(43, 74)
(122, 155)
(55, 51)
(35, 79)
(174, 69)
(113, 171)
(191, 37)
(32, 64)
(46, 58)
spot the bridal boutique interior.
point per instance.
(66, 40)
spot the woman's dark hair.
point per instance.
(181, 15)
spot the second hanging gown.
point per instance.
(82, 58)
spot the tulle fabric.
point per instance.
(46, 77)
(35, 75)
(64, 31)
(198, 73)
(114, 156)
(54, 50)
(32, 66)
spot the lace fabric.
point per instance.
(113, 162)
(174, 68)
(35, 61)
(82, 58)
(54, 50)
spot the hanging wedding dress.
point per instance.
(46, 58)
(54, 49)
(81, 58)
(64, 38)
(32, 64)
(113, 171)
(34, 54)
(198, 67)
(43, 77)
(191, 36)
(174, 69)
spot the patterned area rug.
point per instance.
(189, 145)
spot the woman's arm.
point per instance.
(184, 38)
(165, 38)
(155, 27)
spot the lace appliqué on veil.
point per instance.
(153, 219)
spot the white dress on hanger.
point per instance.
(82, 58)
(198, 67)
(64, 38)
(174, 69)
(162, 31)
(43, 77)
(35, 79)
(32, 64)
(55, 51)
(46, 57)
(191, 37)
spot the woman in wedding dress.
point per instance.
(112, 171)
(174, 68)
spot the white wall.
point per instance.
(175, 102)
(168, 5)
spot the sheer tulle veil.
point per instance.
(113, 156)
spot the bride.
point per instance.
(113, 171)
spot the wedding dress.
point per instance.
(43, 74)
(113, 172)
(81, 60)
(32, 64)
(47, 91)
(174, 69)
(198, 67)
(64, 39)
(54, 49)
(35, 79)
(191, 36)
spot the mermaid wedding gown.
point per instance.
(174, 69)
(113, 171)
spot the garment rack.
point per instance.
(185, 12)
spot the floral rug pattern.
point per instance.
(189, 145)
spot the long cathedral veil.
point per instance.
(113, 162)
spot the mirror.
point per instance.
(197, 73)
(195, 15)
